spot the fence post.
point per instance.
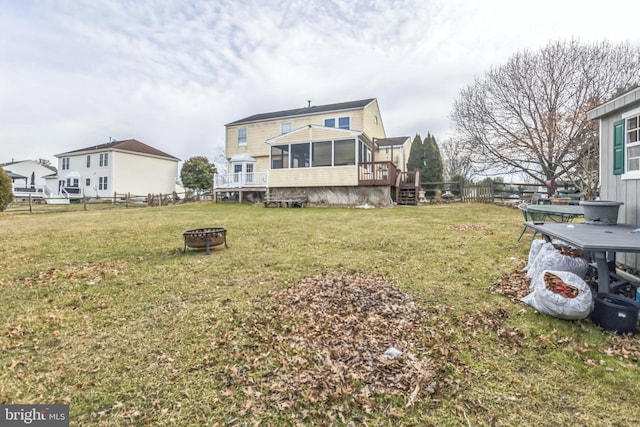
(30, 204)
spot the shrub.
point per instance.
(6, 195)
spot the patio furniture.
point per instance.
(555, 213)
(204, 238)
(600, 243)
(529, 216)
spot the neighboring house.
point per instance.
(29, 178)
(335, 154)
(620, 157)
(121, 167)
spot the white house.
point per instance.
(122, 167)
(33, 178)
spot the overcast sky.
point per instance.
(171, 74)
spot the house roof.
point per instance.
(13, 175)
(132, 145)
(313, 109)
(621, 102)
(386, 142)
(51, 168)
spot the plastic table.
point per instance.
(600, 241)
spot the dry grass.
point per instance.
(102, 310)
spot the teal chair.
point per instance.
(529, 217)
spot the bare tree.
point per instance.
(456, 160)
(220, 160)
(529, 115)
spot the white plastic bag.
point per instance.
(550, 258)
(557, 305)
(534, 250)
(545, 248)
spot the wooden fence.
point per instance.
(493, 192)
(118, 200)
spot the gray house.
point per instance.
(620, 157)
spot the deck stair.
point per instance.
(408, 188)
(408, 196)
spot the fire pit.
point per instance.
(200, 238)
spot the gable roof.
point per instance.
(306, 111)
(132, 145)
(51, 168)
(309, 128)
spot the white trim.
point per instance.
(627, 114)
(600, 154)
(630, 175)
(310, 128)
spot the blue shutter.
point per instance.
(618, 147)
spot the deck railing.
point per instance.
(377, 173)
(240, 180)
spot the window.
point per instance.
(65, 163)
(87, 182)
(321, 153)
(300, 155)
(249, 176)
(88, 161)
(344, 122)
(104, 159)
(626, 145)
(318, 154)
(102, 183)
(280, 157)
(345, 152)
(632, 139)
(242, 136)
(285, 128)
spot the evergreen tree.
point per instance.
(433, 170)
(6, 195)
(416, 160)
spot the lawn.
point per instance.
(103, 311)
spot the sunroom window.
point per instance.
(279, 157)
(300, 155)
(345, 152)
(321, 153)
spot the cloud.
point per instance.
(172, 73)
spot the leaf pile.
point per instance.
(514, 286)
(323, 341)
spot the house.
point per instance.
(620, 157)
(336, 154)
(29, 178)
(122, 167)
